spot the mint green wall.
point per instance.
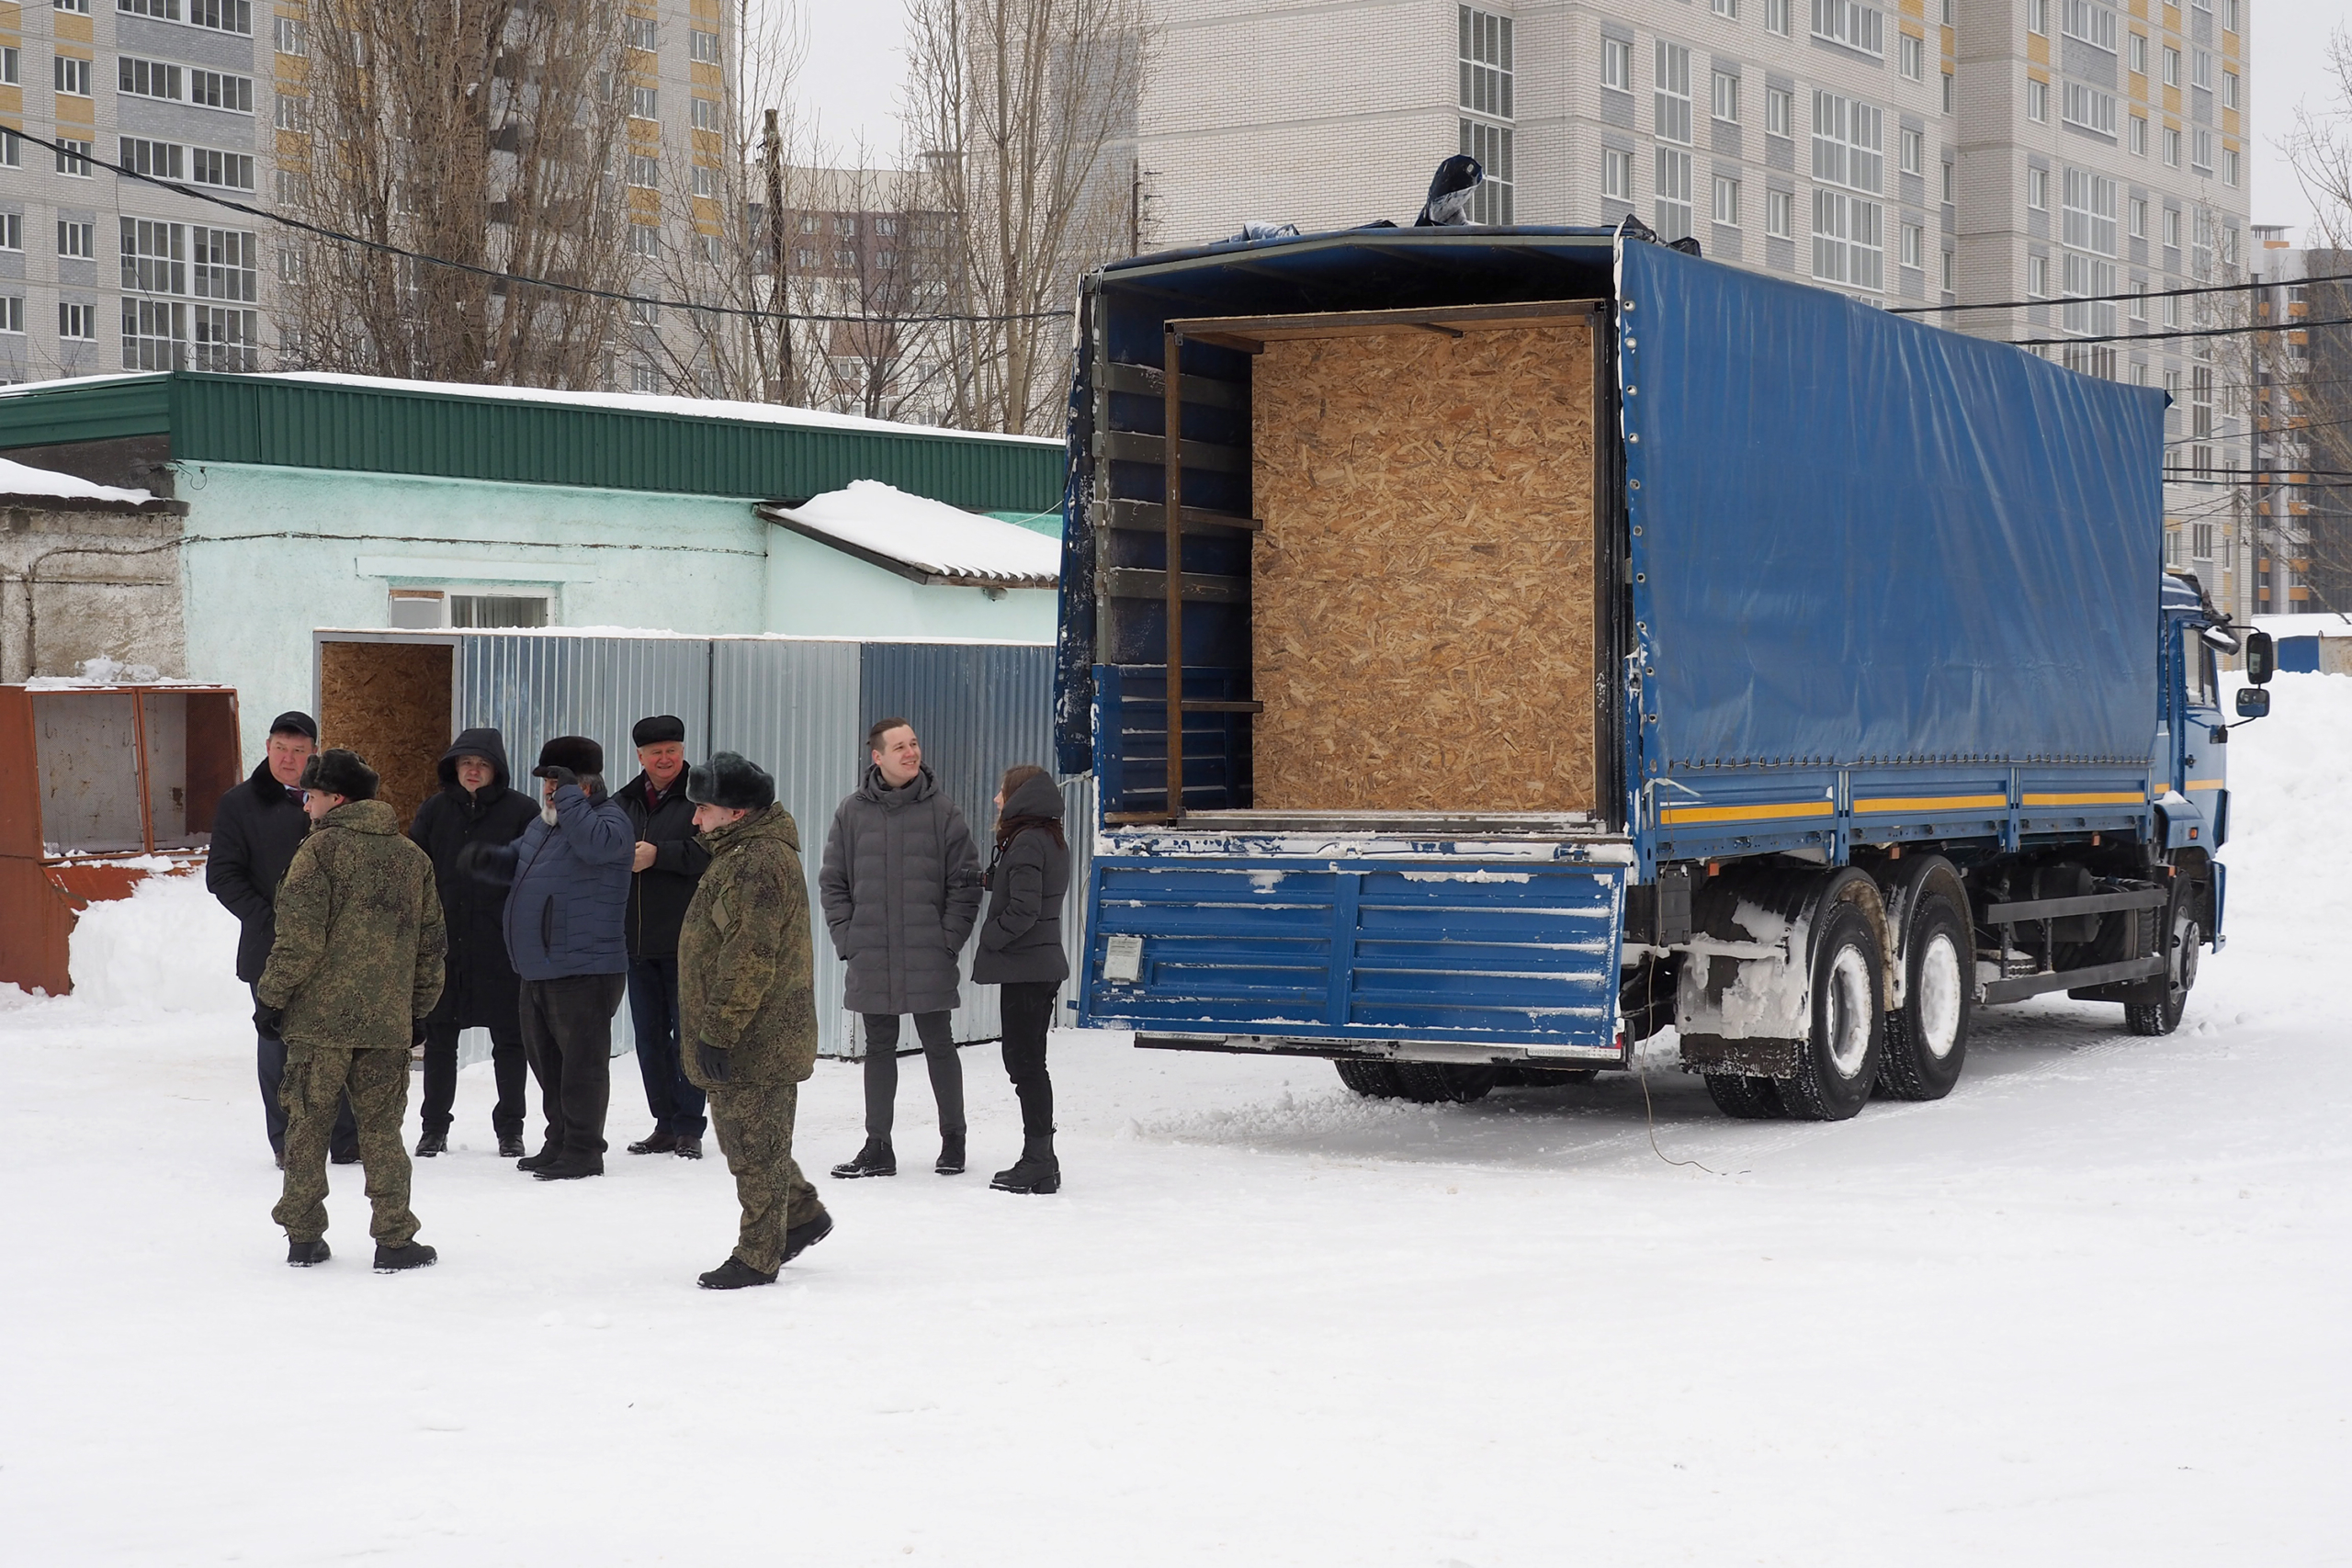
(272, 553)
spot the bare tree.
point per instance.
(1021, 115)
(481, 131)
(2312, 401)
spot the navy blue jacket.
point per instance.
(565, 910)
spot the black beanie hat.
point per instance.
(339, 772)
(660, 728)
(579, 753)
(730, 781)
(294, 721)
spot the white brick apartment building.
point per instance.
(1922, 152)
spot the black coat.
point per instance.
(256, 831)
(480, 990)
(659, 895)
(1020, 939)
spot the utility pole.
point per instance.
(772, 161)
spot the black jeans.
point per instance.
(441, 1076)
(1028, 1014)
(269, 1063)
(882, 1071)
(568, 1033)
(676, 1105)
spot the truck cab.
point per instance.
(2190, 773)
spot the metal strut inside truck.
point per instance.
(1493, 647)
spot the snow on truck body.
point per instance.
(1579, 637)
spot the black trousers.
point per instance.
(269, 1066)
(1028, 1014)
(567, 1035)
(882, 1071)
(506, 1061)
(676, 1104)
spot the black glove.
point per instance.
(713, 1061)
(416, 1031)
(269, 1020)
(561, 776)
(475, 861)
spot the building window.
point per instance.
(1948, 273)
(2139, 299)
(2200, 69)
(1780, 214)
(2201, 536)
(1671, 94)
(1914, 151)
(1912, 52)
(1776, 16)
(2085, 276)
(706, 181)
(645, 102)
(1848, 150)
(164, 160)
(702, 47)
(2171, 66)
(73, 158)
(1846, 22)
(1847, 245)
(2201, 152)
(2229, 16)
(12, 150)
(1727, 9)
(224, 264)
(1485, 49)
(1616, 174)
(2229, 89)
(1951, 183)
(2172, 147)
(72, 77)
(77, 241)
(2094, 23)
(1951, 92)
(293, 113)
(1491, 202)
(2037, 17)
(1847, 142)
(2139, 136)
(1673, 189)
(12, 231)
(2036, 102)
(644, 172)
(220, 16)
(154, 256)
(2229, 166)
(12, 314)
(2089, 108)
(644, 33)
(1726, 207)
(150, 79)
(1725, 99)
(1778, 107)
(292, 36)
(219, 90)
(234, 171)
(81, 7)
(704, 113)
(77, 324)
(8, 66)
(2172, 233)
(2037, 189)
(424, 608)
(1617, 64)
(2139, 54)
(644, 239)
(2138, 213)
(1913, 246)
(2036, 276)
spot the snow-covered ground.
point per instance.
(2090, 1310)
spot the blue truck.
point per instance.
(1494, 647)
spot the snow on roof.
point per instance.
(20, 480)
(926, 538)
(625, 402)
(2309, 623)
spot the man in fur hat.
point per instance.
(354, 969)
(747, 1010)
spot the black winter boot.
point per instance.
(571, 1168)
(393, 1259)
(688, 1149)
(510, 1145)
(548, 1154)
(1035, 1171)
(432, 1144)
(658, 1142)
(874, 1159)
(303, 1254)
(951, 1154)
(733, 1275)
(801, 1237)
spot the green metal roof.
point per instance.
(531, 437)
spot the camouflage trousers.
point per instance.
(755, 1128)
(316, 1079)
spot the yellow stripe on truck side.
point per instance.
(1674, 815)
(2111, 798)
(2207, 783)
(1932, 803)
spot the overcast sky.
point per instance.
(855, 66)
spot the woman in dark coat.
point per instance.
(1021, 949)
(475, 806)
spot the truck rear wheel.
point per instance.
(1838, 1060)
(1438, 1083)
(2180, 975)
(1926, 1037)
(1750, 1099)
(1374, 1080)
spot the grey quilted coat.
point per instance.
(901, 887)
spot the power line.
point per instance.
(2159, 294)
(524, 279)
(2151, 337)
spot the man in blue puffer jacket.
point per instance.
(565, 931)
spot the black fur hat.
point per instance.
(661, 726)
(337, 772)
(579, 753)
(730, 781)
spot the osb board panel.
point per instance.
(1421, 595)
(389, 702)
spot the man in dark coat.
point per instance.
(256, 831)
(568, 876)
(747, 976)
(1021, 949)
(669, 861)
(355, 968)
(475, 806)
(901, 886)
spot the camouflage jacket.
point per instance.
(359, 934)
(746, 971)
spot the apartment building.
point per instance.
(2299, 548)
(99, 272)
(2033, 154)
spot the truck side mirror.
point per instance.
(2261, 663)
(2253, 701)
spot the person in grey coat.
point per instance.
(901, 886)
(1021, 949)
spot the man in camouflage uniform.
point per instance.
(747, 1010)
(355, 967)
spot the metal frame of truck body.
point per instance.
(1500, 939)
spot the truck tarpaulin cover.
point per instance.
(1866, 539)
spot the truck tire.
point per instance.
(1441, 1083)
(1838, 1061)
(1374, 1080)
(1750, 1100)
(2181, 976)
(1926, 1037)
